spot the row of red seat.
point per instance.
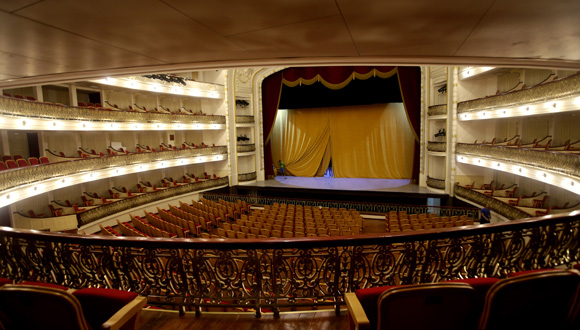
(21, 162)
(114, 107)
(17, 96)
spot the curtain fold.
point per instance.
(301, 139)
(371, 141)
(271, 88)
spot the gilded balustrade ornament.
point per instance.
(279, 273)
(247, 176)
(246, 147)
(240, 119)
(17, 107)
(23, 175)
(102, 211)
(435, 183)
(500, 207)
(553, 160)
(436, 110)
(556, 89)
(362, 207)
(436, 146)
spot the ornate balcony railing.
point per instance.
(502, 208)
(17, 107)
(435, 183)
(23, 175)
(100, 212)
(277, 273)
(246, 147)
(558, 161)
(247, 177)
(436, 146)
(552, 90)
(436, 110)
(380, 208)
(241, 119)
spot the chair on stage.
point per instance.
(43, 307)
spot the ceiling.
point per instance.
(64, 40)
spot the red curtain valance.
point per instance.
(331, 74)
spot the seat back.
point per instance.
(536, 300)
(428, 306)
(11, 164)
(35, 307)
(21, 162)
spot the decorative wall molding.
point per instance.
(436, 146)
(247, 177)
(240, 119)
(555, 96)
(552, 160)
(246, 147)
(435, 183)
(24, 182)
(23, 114)
(495, 205)
(143, 83)
(437, 110)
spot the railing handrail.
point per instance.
(296, 242)
(550, 90)
(274, 273)
(23, 175)
(568, 163)
(19, 107)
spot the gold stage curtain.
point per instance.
(371, 141)
(300, 139)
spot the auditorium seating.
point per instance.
(401, 221)
(17, 161)
(108, 231)
(534, 205)
(544, 143)
(540, 299)
(148, 228)
(280, 220)
(128, 230)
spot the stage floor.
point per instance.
(352, 184)
(343, 189)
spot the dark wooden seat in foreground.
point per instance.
(542, 299)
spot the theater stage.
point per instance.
(344, 189)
